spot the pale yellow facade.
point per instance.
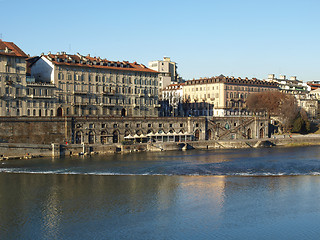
(224, 93)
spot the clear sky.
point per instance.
(249, 38)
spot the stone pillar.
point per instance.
(55, 147)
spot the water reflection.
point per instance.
(80, 206)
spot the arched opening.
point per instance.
(126, 133)
(59, 112)
(91, 137)
(39, 112)
(104, 137)
(209, 134)
(261, 133)
(123, 112)
(115, 137)
(78, 137)
(249, 134)
(197, 135)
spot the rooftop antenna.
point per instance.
(0, 36)
(69, 47)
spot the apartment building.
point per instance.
(292, 85)
(222, 96)
(92, 86)
(167, 72)
(12, 79)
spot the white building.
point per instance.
(172, 97)
(168, 72)
(292, 85)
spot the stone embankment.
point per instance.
(20, 151)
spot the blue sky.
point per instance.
(206, 38)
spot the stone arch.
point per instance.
(79, 137)
(261, 133)
(104, 137)
(227, 126)
(249, 133)
(115, 136)
(150, 131)
(171, 130)
(197, 135)
(161, 131)
(139, 132)
(59, 112)
(181, 130)
(127, 132)
(91, 137)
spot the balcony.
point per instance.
(40, 96)
(79, 92)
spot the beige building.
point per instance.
(12, 79)
(91, 86)
(168, 72)
(222, 96)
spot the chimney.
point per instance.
(282, 77)
(270, 76)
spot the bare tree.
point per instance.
(275, 103)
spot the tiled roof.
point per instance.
(231, 80)
(173, 87)
(95, 62)
(10, 49)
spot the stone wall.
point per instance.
(33, 130)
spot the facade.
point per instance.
(12, 80)
(91, 86)
(292, 85)
(171, 100)
(221, 96)
(168, 72)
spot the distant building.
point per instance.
(168, 72)
(91, 86)
(314, 84)
(222, 96)
(292, 85)
(171, 100)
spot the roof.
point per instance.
(30, 61)
(173, 87)
(63, 59)
(231, 80)
(10, 49)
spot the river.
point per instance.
(267, 193)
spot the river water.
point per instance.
(270, 193)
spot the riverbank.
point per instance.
(26, 151)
